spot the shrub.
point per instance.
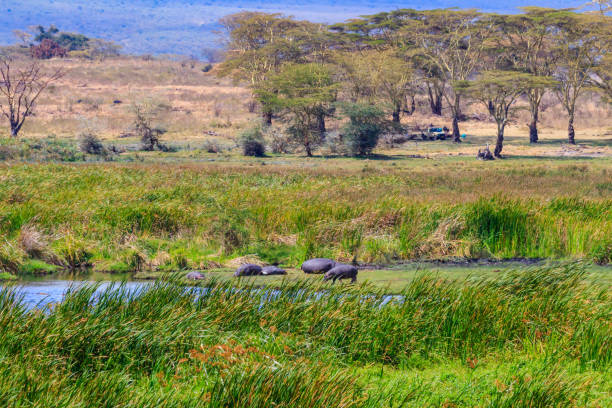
(335, 143)
(366, 123)
(47, 49)
(149, 135)
(252, 142)
(91, 144)
(32, 241)
(280, 143)
(211, 146)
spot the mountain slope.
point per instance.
(185, 26)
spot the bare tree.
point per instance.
(20, 88)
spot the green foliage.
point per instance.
(516, 341)
(37, 267)
(252, 142)
(287, 215)
(150, 135)
(90, 143)
(366, 123)
(5, 276)
(229, 230)
(303, 94)
(68, 41)
(73, 252)
(11, 257)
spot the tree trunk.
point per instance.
(456, 133)
(534, 101)
(533, 131)
(308, 150)
(321, 123)
(14, 130)
(412, 105)
(267, 117)
(396, 115)
(571, 133)
(435, 101)
(500, 140)
(456, 113)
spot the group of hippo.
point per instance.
(332, 270)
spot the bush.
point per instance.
(32, 242)
(280, 143)
(91, 144)
(252, 142)
(366, 124)
(149, 135)
(335, 143)
(47, 49)
(211, 146)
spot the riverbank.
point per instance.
(537, 338)
(123, 218)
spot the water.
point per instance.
(43, 293)
(40, 294)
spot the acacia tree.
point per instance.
(355, 73)
(20, 88)
(259, 44)
(601, 6)
(603, 77)
(454, 41)
(525, 41)
(435, 83)
(580, 42)
(301, 92)
(498, 91)
(393, 81)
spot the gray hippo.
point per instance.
(341, 271)
(194, 275)
(318, 265)
(248, 270)
(273, 270)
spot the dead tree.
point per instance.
(20, 88)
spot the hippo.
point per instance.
(194, 275)
(272, 270)
(341, 271)
(248, 270)
(318, 265)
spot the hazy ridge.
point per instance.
(185, 26)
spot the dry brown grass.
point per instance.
(195, 106)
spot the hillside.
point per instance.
(185, 26)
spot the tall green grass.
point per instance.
(219, 345)
(283, 215)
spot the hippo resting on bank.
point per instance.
(272, 270)
(248, 270)
(194, 276)
(318, 265)
(341, 271)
